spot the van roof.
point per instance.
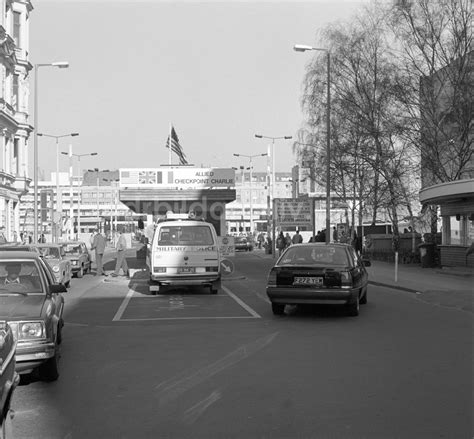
(183, 220)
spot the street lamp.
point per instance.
(303, 48)
(61, 65)
(250, 157)
(56, 234)
(242, 169)
(71, 155)
(271, 194)
(114, 231)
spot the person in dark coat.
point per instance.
(281, 243)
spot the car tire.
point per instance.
(363, 298)
(353, 308)
(80, 273)
(68, 283)
(215, 287)
(59, 336)
(49, 370)
(278, 309)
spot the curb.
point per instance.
(396, 287)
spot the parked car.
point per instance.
(55, 256)
(243, 243)
(79, 256)
(318, 273)
(31, 302)
(9, 378)
(14, 246)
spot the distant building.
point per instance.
(15, 127)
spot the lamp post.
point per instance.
(71, 155)
(303, 48)
(61, 65)
(114, 230)
(242, 169)
(250, 157)
(271, 193)
(56, 234)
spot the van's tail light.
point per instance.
(272, 278)
(346, 279)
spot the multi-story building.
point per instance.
(82, 204)
(14, 118)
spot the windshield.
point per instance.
(72, 249)
(185, 235)
(19, 277)
(314, 255)
(49, 252)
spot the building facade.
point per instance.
(15, 128)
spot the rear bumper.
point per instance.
(206, 279)
(312, 296)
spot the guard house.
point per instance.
(181, 189)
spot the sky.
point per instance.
(219, 72)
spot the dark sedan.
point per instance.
(31, 302)
(318, 273)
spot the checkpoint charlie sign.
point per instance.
(178, 177)
(294, 212)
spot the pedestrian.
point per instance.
(30, 238)
(287, 240)
(98, 245)
(260, 239)
(42, 239)
(280, 243)
(334, 234)
(121, 262)
(297, 238)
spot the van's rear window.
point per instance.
(185, 235)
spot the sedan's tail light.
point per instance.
(272, 278)
(346, 279)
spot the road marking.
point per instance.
(192, 414)
(124, 304)
(172, 389)
(241, 303)
(128, 297)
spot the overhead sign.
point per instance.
(178, 178)
(226, 246)
(294, 212)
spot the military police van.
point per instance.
(184, 252)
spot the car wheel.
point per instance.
(6, 429)
(80, 273)
(353, 308)
(49, 370)
(68, 283)
(59, 336)
(278, 309)
(215, 287)
(363, 299)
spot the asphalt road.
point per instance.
(192, 365)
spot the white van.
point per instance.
(184, 252)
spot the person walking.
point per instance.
(98, 244)
(297, 238)
(121, 262)
(281, 243)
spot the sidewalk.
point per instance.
(449, 287)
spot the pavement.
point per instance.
(449, 287)
(446, 287)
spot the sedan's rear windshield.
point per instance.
(314, 255)
(49, 252)
(185, 235)
(72, 249)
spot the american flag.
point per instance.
(176, 147)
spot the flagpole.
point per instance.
(169, 146)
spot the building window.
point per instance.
(15, 92)
(17, 28)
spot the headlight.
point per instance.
(74, 262)
(56, 268)
(30, 330)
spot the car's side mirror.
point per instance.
(57, 288)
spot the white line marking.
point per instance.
(241, 303)
(171, 389)
(124, 304)
(192, 414)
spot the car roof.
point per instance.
(48, 245)
(8, 255)
(183, 221)
(320, 244)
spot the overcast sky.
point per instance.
(220, 72)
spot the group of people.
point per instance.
(284, 241)
(98, 244)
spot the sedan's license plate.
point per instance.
(186, 270)
(308, 281)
